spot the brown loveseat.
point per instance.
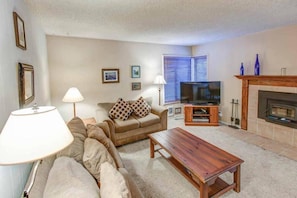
(135, 127)
(77, 171)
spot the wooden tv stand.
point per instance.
(201, 115)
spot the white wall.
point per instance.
(78, 62)
(13, 178)
(276, 48)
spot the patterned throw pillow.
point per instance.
(121, 110)
(141, 108)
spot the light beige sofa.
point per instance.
(135, 127)
(65, 180)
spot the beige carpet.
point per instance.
(263, 174)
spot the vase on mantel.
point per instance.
(241, 70)
(257, 66)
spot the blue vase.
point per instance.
(257, 66)
(241, 69)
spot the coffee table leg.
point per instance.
(236, 178)
(203, 190)
(152, 148)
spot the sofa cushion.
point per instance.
(113, 184)
(127, 125)
(148, 120)
(95, 154)
(95, 132)
(67, 178)
(141, 108)
(120, 110)
(76, 148)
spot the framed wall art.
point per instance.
(19, 29)
(135, 71)
(177, 110)
(170, 110)
(110, 75)
(136, 86)
(26, 84)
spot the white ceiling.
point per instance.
(178, 22)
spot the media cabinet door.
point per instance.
(214, 114)
(188, 113)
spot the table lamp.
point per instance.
(159, 80)
(73, 95)
(32, 134)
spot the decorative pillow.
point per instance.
(95, 154)
(121, 110)
(76, 148)
(113, 184)
(141, 108)
(96, 132)
(67, 178)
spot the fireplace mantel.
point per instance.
(285, 81)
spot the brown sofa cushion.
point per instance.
(95, 154)
(95, 132)
(148, 120)
(76, 148)
(68, 178)
(120, 110)
(127, 125)
(141, 108)
(113, 183)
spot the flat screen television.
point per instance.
(200, 93)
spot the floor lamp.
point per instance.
(32, 134)
(73, 95)
(159, 80)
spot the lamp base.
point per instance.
(32, 178)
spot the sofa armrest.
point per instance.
(102, 116)
(162, 113)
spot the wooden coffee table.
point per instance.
(199, 161)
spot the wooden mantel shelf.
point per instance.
(284, 81)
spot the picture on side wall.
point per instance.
(177, 110)
(110, 75)
(19, 29)
(136, 86)
(135, 71)
(170, 111)
(26, 84)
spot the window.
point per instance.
(182, 69)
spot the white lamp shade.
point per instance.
(159, 80)
(73, 95)
(29, 135)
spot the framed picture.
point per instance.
(136, 86)
(110, 75)
(135, 71)
(19, 29)
(170, 110)
(26, 84)
(177, 110)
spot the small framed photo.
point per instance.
(135, 71)
(110, 75)
(177, 110)
(26, 84)
(170, 110)
(136, 86)
(19, 30)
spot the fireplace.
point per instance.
(278, 107)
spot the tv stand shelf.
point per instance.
(201, 115)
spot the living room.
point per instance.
(61, 62)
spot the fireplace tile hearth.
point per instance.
(265, 129)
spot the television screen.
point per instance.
(200, 93)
